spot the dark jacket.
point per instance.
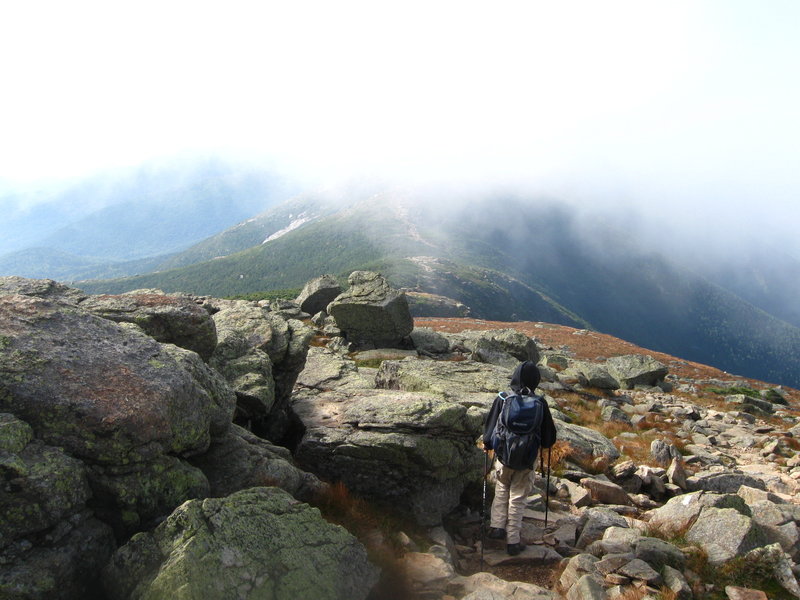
(524, 381)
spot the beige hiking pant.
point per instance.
(511, 489)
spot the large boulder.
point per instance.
(129, 408)
(318, 293)
(585, 442)
(172, 319)
(725, 533)
(106, 394)
(636, 369)
(40, 288)
(257, 543)
(502, 347)
(589, 374)
(415, 450)
(261, 354)
(371, 313)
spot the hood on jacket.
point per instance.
(526, 375)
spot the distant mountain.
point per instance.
(507, 259)
(150, 212)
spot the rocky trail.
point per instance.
(208, 448)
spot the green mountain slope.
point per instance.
(507, 259)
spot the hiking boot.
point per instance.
(514, 549)
(496, 533)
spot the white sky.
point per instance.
(692, 103)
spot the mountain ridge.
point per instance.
(507, 259)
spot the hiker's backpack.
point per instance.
(517, 432)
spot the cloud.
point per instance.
(684, 110)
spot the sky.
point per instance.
(689, 108)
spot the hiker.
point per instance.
(513, 485)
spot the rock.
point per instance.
(241, 460)
(256, 543)
(261, 355)
(588, 587)
(62, 566)
(143, 492)
(751, 405)
(427, 341)
(636, 369)
(727, 482)
(414, 450)
(370, 313)
(739, 593)
(676, 474)
(485, 586)
(43, 485)
(327, 370)
(657, 553)
(577, 566)
(505, 348)
(676, 582)
(318, 293)
(173, 319)
(725, 533)
(614, 414)
(426, 572)
(677, 515)
(40, 288)
(589, 374)
(461, 379)
(638, 569)
(663, 452)
(593, 524)
(781, 565)
(605, 492)
(586, 442)
(105, 394)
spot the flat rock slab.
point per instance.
(539, 554)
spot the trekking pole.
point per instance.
(547, 490)
(483, 505)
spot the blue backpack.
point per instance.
(517, 432)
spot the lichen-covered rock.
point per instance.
(64, 566)
(40, 288)
(326, 370)
(318, 293)
(636, 369)
(172, 319)
(107, 395)
(371, 313)
(131, 497)
(40, 484)
(242, 460)
(453, 379)
(586, 442)
(416, 450)
(216, 392)
(725, 533)
(257, 543)
(260, 354)
(589, 374)
(43, 493)
(427, 341)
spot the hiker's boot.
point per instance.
(496, 533)
(514, 549)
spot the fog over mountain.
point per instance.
(668, 129)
